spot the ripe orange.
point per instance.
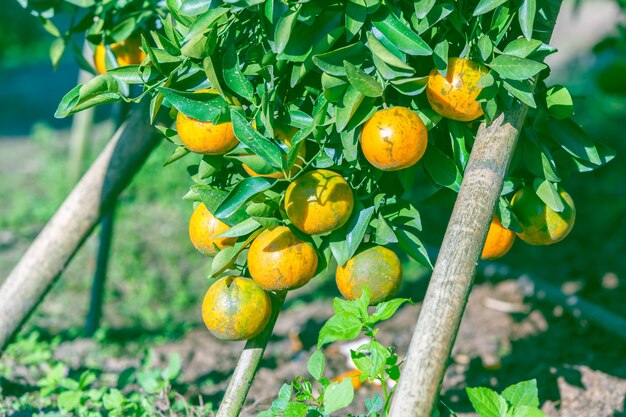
(284, 137)
(279, 260)
(377, 267)
(540, 224)
(205, 137)
(394, 139)
(236, 308)
(127, 52)
(319, 201)
(455, 95)
(203, 227)
(354, 377)
(499, 240)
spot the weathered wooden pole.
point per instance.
(74, 220)
(94, 314)
(248, 364)
(453, 274)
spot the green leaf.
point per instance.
(332, 63)
(173, 368)
(194, 7)
(348, 107)
(345, 241)
(423, 7)
(241, 229)
(485, 6)
(370, 359)
(56, 51)
(559, 102)
(525, 411)
(295, 409)
(574, 140)
(486, 402)
(520, 90)
(284, 27)
(244, 191)
(338, 395)
(69, 400)
(386, 309)
(257, 143)
(410, 86)
(200, 106)
(458, 134)
(99, 90)
(441, 57)
(522, 47)
(384, 233)
(234, 77)
(414, 247)
(485, 47)
(438, 12)
(375, 404)
(522, 393)
(315, 365)
(549, 194)
(339, 327)
(526, 17)
(506, 215)
(113, 399)
(515, 68)
(210, 196)
(364, 83)
(356, 227)
(399, 34)
(356, 308)
(538, 159)
(205, 21)
(133, 74)
(380, 51)
(356, 13)
(442, 168)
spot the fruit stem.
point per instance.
(248, 364)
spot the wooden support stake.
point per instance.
(248, 365)
(74, 220)
(453, 274)
(94, 314)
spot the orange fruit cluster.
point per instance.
(320, 201)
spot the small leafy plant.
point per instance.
(321, 396)
(519, 400)
(145, 391)
(375, 361)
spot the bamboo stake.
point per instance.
(74, 220)
(453, 274)
(94, 314)
(248, 364)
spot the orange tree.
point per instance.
(308, 123)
